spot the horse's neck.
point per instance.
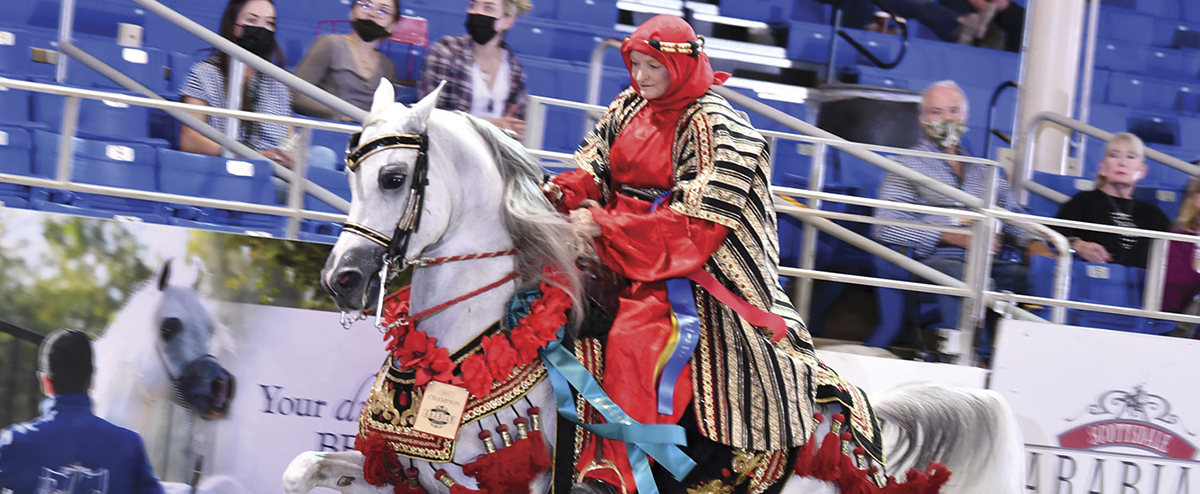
(460, 323)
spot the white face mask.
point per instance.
(946, 134)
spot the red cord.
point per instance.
(438, 308)
(434, 261)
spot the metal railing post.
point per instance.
(1156, 274)
(66, 24)
(977, 271)
(1089, 64)
(233, 99)
(66, 143)
(295, 199)
(808, 245)
(535, 123)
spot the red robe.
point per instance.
(646, 248)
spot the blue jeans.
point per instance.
(1006, 276)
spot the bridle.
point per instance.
(396, 246)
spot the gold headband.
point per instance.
(689, 48)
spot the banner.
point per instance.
(1102, 411)
(157, 299)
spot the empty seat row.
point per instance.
(1107, 284)
(142, 167)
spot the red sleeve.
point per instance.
(577, 185)
(655, 246)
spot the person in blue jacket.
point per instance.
(69, 449)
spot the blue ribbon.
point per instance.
(660, 441)
(683, 303)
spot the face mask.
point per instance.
(369, 31)
(946, 134)
(257, 40)
(482, 28)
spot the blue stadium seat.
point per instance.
(323, 232)
(147, 66)
(180, 65)
(214, 177)
(14, 52)
(102, 120)
(125, 165)
(1108, 284)
(1127, 26)
(14, 107)
(597, 13)
(1166, 198)
(95, 19)
(1069, 185)
(16, 146)
(1142, 59)
(162, 34)
(969, 66)
(808, 41)
(776, 10)
(331, 180)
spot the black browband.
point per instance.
(397, 244)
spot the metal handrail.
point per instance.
(991, 124)
(1023, 177)
(901, 21)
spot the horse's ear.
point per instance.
(423, 108)
(385, 95)
(164, 275)
(200, 271)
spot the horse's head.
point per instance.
(395, 175)
(187, 335)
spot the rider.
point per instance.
(681, 182)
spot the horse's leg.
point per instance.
(341, 471)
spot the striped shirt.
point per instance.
(924, 243)
(451, 59)
(269, 96)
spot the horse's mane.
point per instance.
(542, 236)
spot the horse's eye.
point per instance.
(170, 327)
(389, 180)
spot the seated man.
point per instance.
(943, 117)
(68, 449)
(961, 21)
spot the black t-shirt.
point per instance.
(1094, 206)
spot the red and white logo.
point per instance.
(1131, 419)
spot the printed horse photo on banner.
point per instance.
(492, 381)
(162, 353)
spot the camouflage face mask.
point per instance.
(946, 134)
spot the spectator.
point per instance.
(943, 116)
(1183, 264)
(961, 21)
(68, 449)
(483, 76)
(349, 66)
(251, 24)
(1112, 203)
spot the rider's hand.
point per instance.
(553, 193)
(1091, 251)
(584, 223)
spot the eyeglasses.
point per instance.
(368, 5)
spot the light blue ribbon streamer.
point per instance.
(660, 441)
(683, 303)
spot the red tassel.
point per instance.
(511, 469)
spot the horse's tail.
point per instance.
(972, 431)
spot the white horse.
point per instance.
(163, 348)
(483, 195)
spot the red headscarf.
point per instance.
(691, 75)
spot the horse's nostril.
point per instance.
(348, 279)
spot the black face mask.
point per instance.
(482, 28)
(257, 40)
(369, 31)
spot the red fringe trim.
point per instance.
(830, 465)
(511, 469)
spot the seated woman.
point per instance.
(1112, 203)
(482, 75)
(349, 66)
(251, 24)
(1183, 264)
(673, 187)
